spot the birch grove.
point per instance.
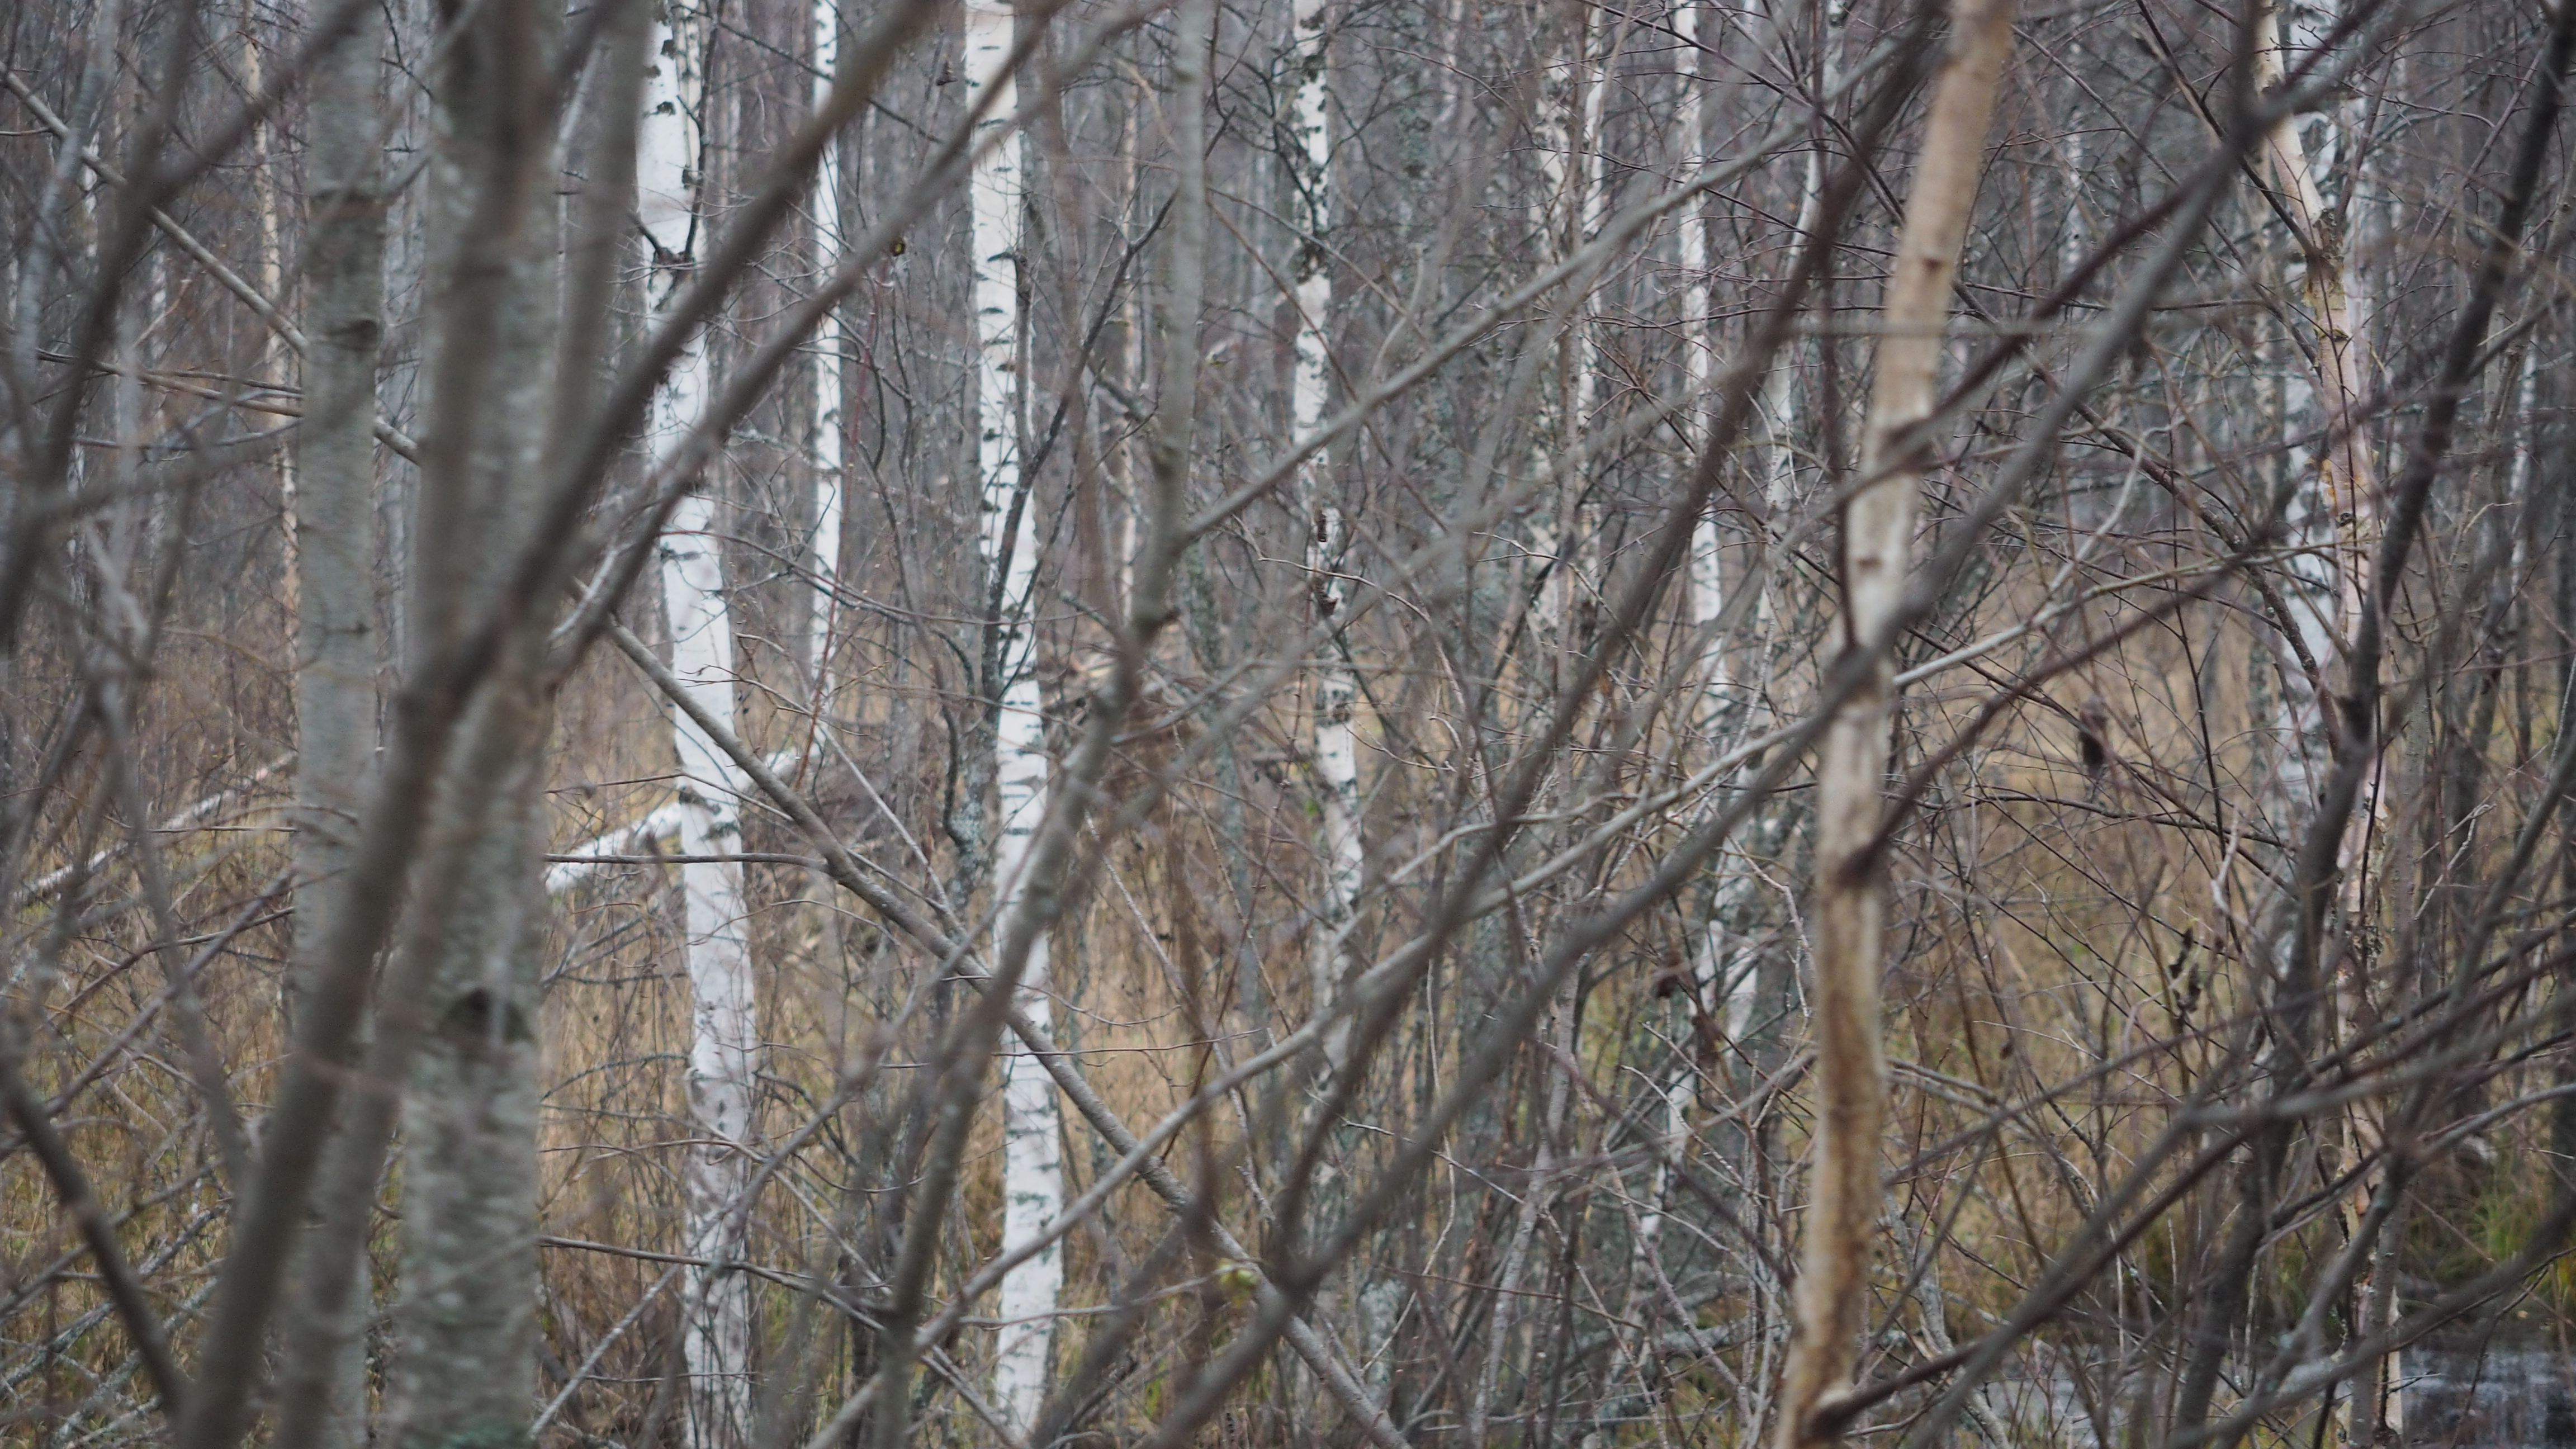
(1399, 722)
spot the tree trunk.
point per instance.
(1032, 1166)
(1330, 959)
(2342, 512)
(830, 374)
(723, 1040)
(1570, 158)
(1832, 1297)
(1707, 582)
(337, 650)
(468, 1316)
(1709, 956)
(2337, 518)
(2344, 464)
(827, 456)
(1760, 993)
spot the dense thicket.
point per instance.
(1435, 722)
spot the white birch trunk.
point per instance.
(1745, 993)
(1336, 683)
(1707, 584)
(2343, 509)
(1832, 1296)
(1707, 601)
(268, 272)
(826, 457)
(723, 1037)
(829, 368)
(1032, 1165)
(1572, 161)
(1133, 465)
(1710, 971)
(1779, 384)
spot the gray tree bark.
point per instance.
(467, 1318)
(338, 652)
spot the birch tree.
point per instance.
(2186, 1074)
(831, 382)
(1032, 1167)
(468, 1311)
(339, 650)
(715, 904)
(1335, 682)
(2342, 509)
(1851, 768)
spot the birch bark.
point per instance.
(268, 273)
(723, 1039)
(1755, 990)
(830, 371)
(338, 651)
(467, 1322)
(337, 655)
(1832, 1296)
(2338, 515)
(826, 456)
(2343, 508)
(1032, 1166)
(1707, 583)
(2344, 469)
(1335, 683)
(1575, 168)
(1707, 600)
